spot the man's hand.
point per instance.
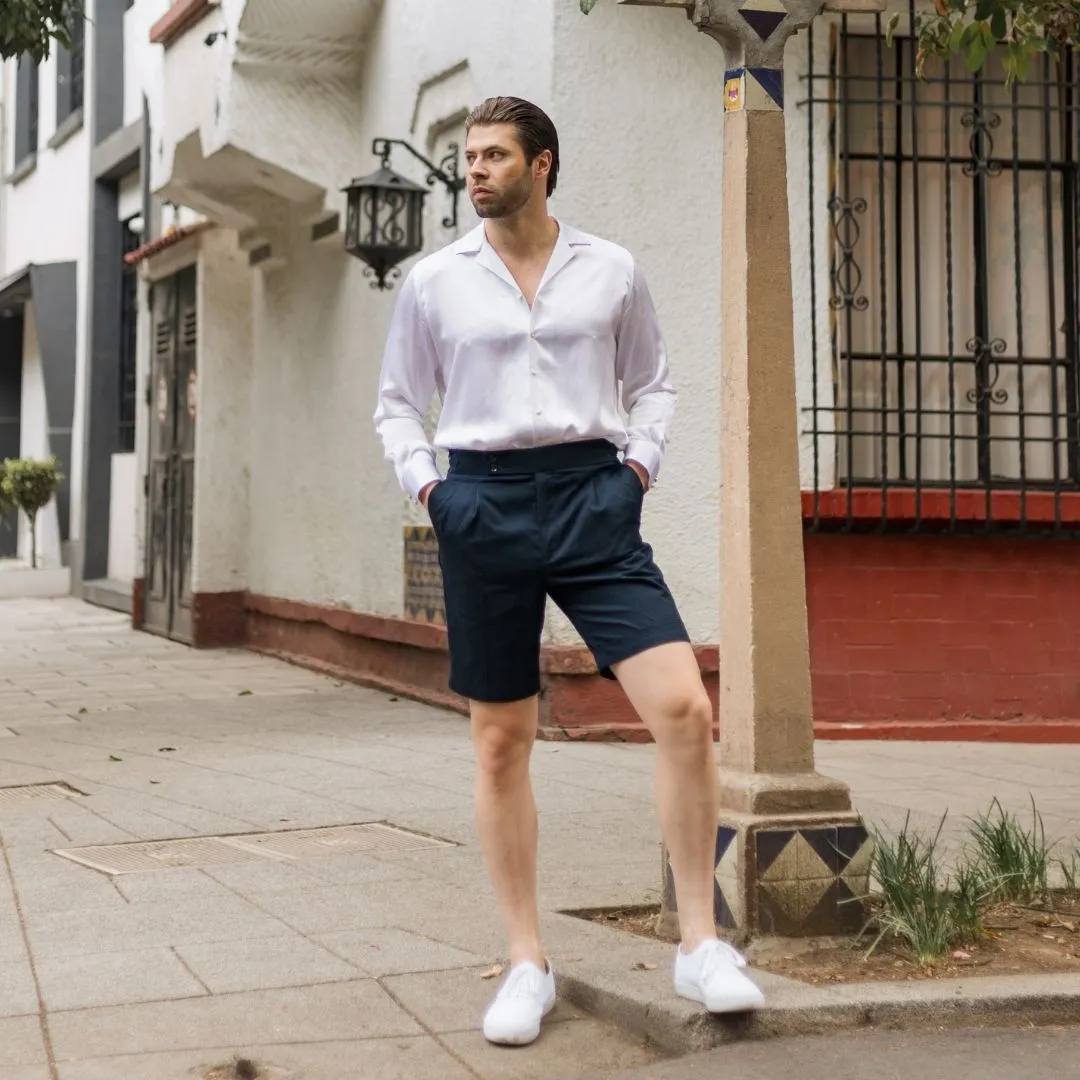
(642, 473)
(425, 492)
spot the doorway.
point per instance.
(171, 479)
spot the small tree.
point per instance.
(30, 485)
(31, 26)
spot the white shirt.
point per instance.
(510, 376)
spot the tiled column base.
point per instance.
(798, 875)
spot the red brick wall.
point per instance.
(943, 628)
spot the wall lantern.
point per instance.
(384, 220)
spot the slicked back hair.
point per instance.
(535, 130)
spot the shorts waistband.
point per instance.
(572, 455)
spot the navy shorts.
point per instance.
(517, 526)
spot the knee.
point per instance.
(687, 720)
(501, 754)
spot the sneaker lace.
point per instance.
(524, 982)
(720, 954)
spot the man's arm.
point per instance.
(641, 364)
(406, 386)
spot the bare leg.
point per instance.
(503, 735)
(664, 686)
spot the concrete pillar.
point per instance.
(790, 853)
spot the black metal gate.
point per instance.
(171, 479)
(953, 313)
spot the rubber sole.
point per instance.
(526, 1037)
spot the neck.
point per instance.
(529, 231)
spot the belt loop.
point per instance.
(493, 463)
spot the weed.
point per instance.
(1015, 860)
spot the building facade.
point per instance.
(934, 229)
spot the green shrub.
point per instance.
(30, 486)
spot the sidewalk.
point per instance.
(340, 966)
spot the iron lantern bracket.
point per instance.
(446, 172)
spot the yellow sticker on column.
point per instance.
(733, 91)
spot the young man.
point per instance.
(533, 333)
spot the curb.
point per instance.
(648, 1007)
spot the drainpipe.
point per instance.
(3, 167)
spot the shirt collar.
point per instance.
(476, 243)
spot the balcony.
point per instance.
(255, 110)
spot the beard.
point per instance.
(509, 201)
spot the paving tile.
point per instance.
(455, 1000)
(20, 1043)
(335, 1011)
(116, 978)
(146, 926)
(28, 1072)
(267, 963)
(419, 1058)
(18, 995)
(392, 952)
(566, 1049)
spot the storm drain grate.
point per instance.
(26, 792)
(371, 837)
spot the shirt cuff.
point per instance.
(646, 454)
(420, 472)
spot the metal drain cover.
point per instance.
(26, 792)
(371, 837)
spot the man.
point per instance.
(533, 333)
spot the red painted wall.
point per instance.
(943, 629)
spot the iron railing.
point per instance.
(944, 384)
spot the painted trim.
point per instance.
(25, 168)
(180, 18)
(71, 125)
(936, 504)
(164, 243)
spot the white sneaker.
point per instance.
(527, 996)
(713, 975)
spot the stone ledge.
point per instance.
(22, 583)
(645, 1004)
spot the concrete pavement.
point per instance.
(340, 964)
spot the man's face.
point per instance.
(500, 181)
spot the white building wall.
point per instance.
(326, 510)
(46, 220)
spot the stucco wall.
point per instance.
(222, 432)
(637, 96)
(326, 511)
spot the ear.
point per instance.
(542, 164)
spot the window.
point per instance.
(69, 73)
(26, 109)
(948, 351)
(129, 317)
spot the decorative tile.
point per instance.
(763, 23)
(764, 89)
(725, 836)
(770, 845)
(823, 841)
(423, 576)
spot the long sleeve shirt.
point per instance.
(511, 376)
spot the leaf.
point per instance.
(492, 972)
(244, 693)
(113, 757)
(587, 6)
(890, 30)
(959, 954)
(642, 966)
(976, 55)
(999, 27)
(984, 9)
(166, 749)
